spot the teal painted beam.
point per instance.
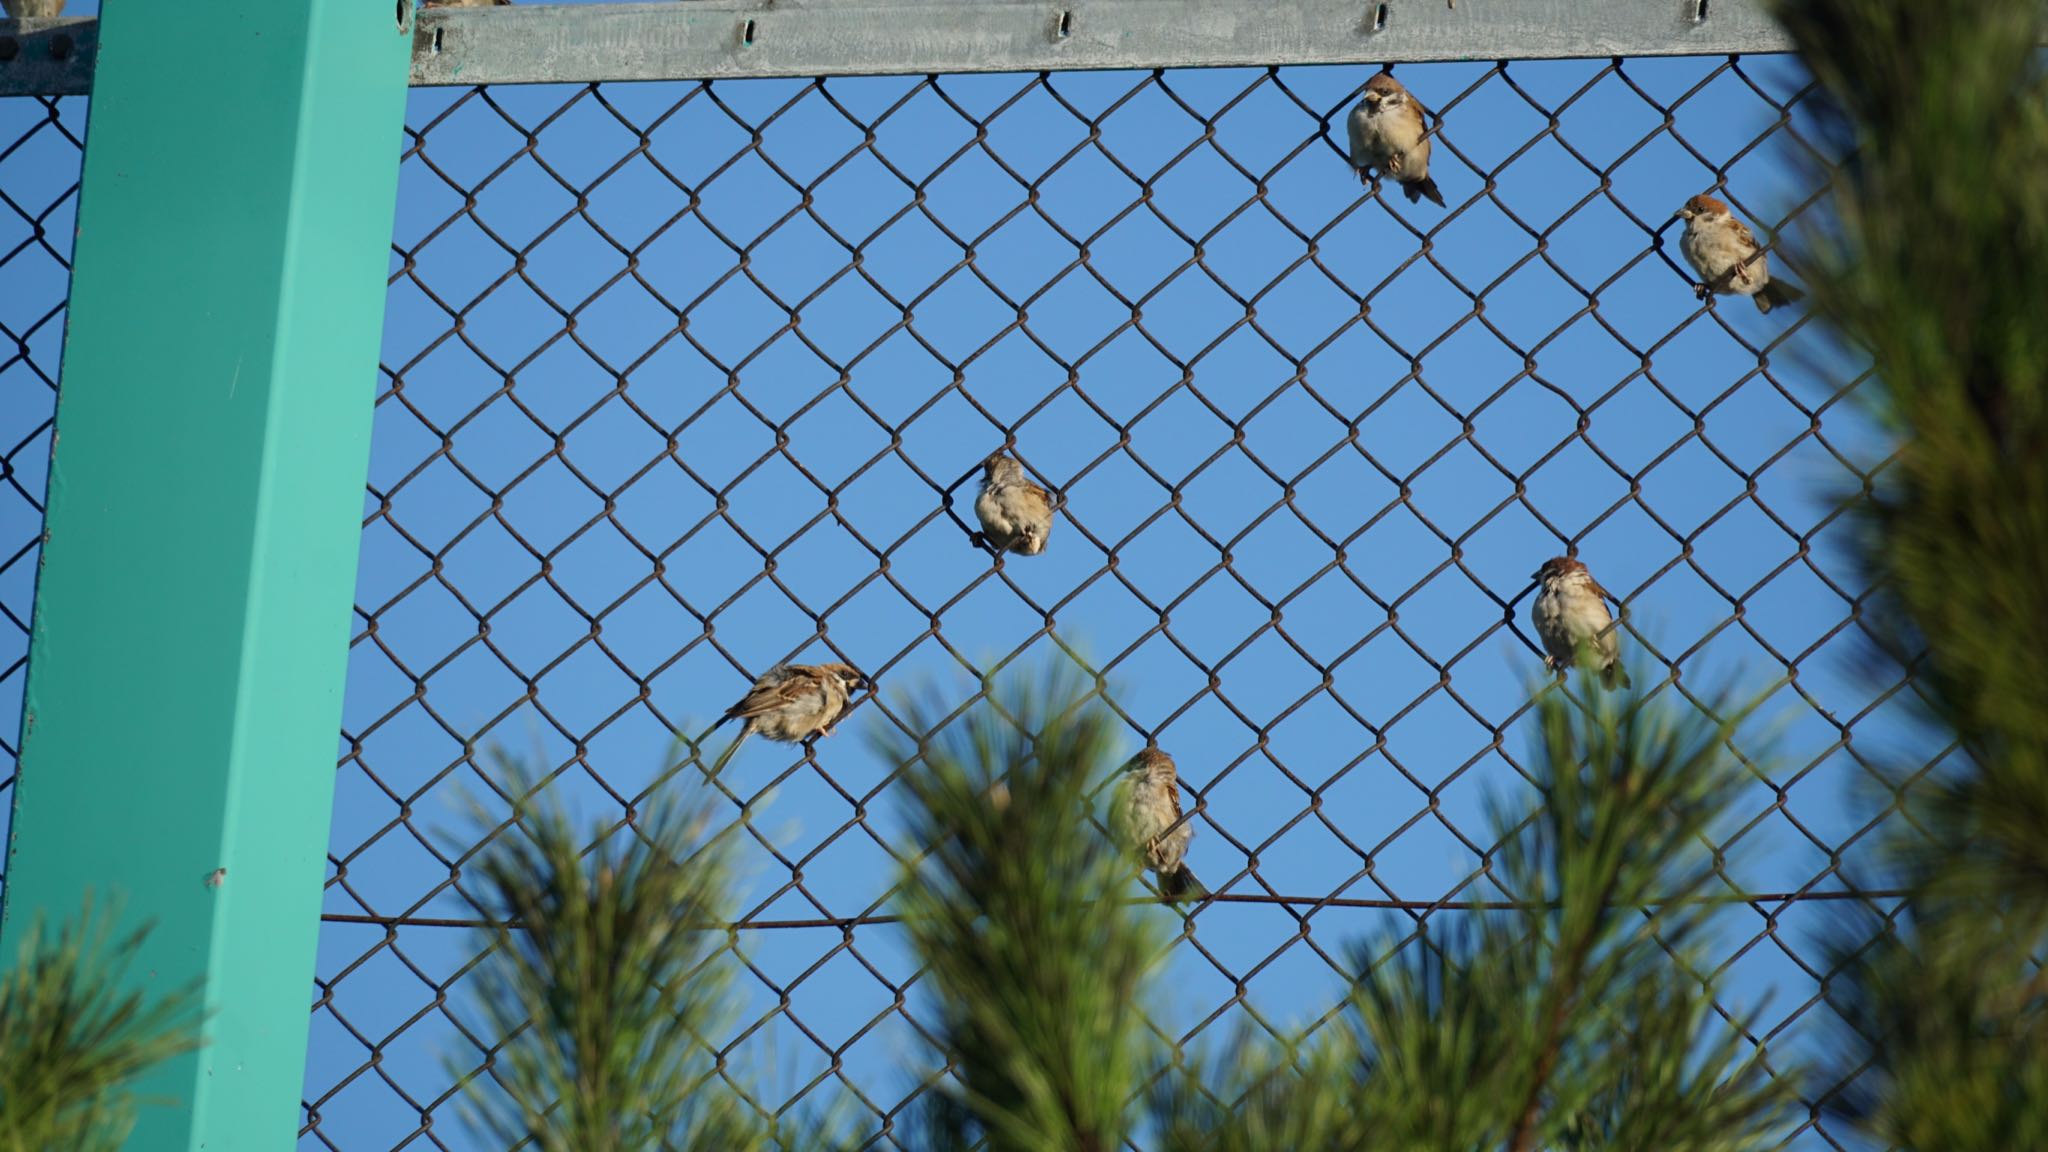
(205, 499)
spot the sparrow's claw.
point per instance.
(1701, 290)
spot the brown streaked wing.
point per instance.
(1602, 593)
(764, 698)
(1749, 247)
(1040, 496)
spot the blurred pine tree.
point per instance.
(1575, 1020)
(605, 978)
(72, 1044)
(1934, 263)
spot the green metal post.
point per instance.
(205, 500)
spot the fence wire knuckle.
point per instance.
(681, 334)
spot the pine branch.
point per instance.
(1563, 1000)
(606, 992)
(1257, 1095)
(1038, 969)
(1935, 261)
(1572, 1014)
(73, 1042)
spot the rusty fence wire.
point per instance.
(684, 380)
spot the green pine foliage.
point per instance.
(1575, 1018)
(605, 977)
(1020, 913)
(1934, 263)
(1580, 1019)
(1256, 1095)
(73, 1042)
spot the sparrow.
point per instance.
(33, 9)
(792, 703)
(1727, 257)
(1389, 136)
(1015, 514)
(1571, 618)
(1145, 819)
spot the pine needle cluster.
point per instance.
(605, 977)
(75, 1036)
(1034, 957)
(1576, 1018)
(1933, 262)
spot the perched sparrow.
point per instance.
(791, 703)
(1571, 617)
(1015, 514)
(1727, 258)
(33, 9)
(1388, 136)
(1144, 816)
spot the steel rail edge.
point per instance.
(733, 39)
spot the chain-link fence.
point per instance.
(41, 147)
(682, 380)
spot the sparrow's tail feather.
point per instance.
(1417, 189)
(746, 730)
(1179, 883)
(1614, 675)
(1777, 292)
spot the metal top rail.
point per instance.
(730, 39)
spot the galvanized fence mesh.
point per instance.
(685, 380)
(40, 151)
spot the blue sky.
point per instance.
(555, 511)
